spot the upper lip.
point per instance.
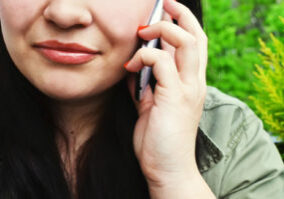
(71, 47)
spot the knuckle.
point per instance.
(204, 38)
(164, 23)
(186, 11)
(142, 52)
(194, 42)
(165, 54)
(190, 40)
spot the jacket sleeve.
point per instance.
(254, 169)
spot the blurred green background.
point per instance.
(233, 28)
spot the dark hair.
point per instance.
(30, 164)
(195, 7)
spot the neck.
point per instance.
(78, 119)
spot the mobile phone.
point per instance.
(143, 76)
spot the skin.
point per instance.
(165, 133)
(85, 22)
(74, 90)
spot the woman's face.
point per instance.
(106, 26)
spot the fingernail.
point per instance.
(126, 64)
(142, 27)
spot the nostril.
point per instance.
(64, 26)
(67, 15)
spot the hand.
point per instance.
(166, 130)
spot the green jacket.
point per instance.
(235, 155)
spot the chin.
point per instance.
(73, 87)
(71, 94)
(64, 91)
(66, 95)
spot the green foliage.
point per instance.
(269, 99)
(232, 27)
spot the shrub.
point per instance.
(269, 97)
(233, 27)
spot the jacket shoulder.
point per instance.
(251, 164)
(225, 119)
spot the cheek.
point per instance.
(18, 14)
(122, 21)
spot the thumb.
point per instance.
(148, 98)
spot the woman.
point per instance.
(71, 128)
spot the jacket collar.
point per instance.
(208, 153)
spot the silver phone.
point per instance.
(143, 76)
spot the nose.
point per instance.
(67, 13)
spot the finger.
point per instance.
(163, 66)
(169, 48)
(188, 21)
(167, 17)
(186, 54)
(165, 45)
(203, 53)
(171, 33)
(185, 18)
(147, 100)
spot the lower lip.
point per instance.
(65, 57)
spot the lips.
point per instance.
(66, 53)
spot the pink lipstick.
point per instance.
(68, 53)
